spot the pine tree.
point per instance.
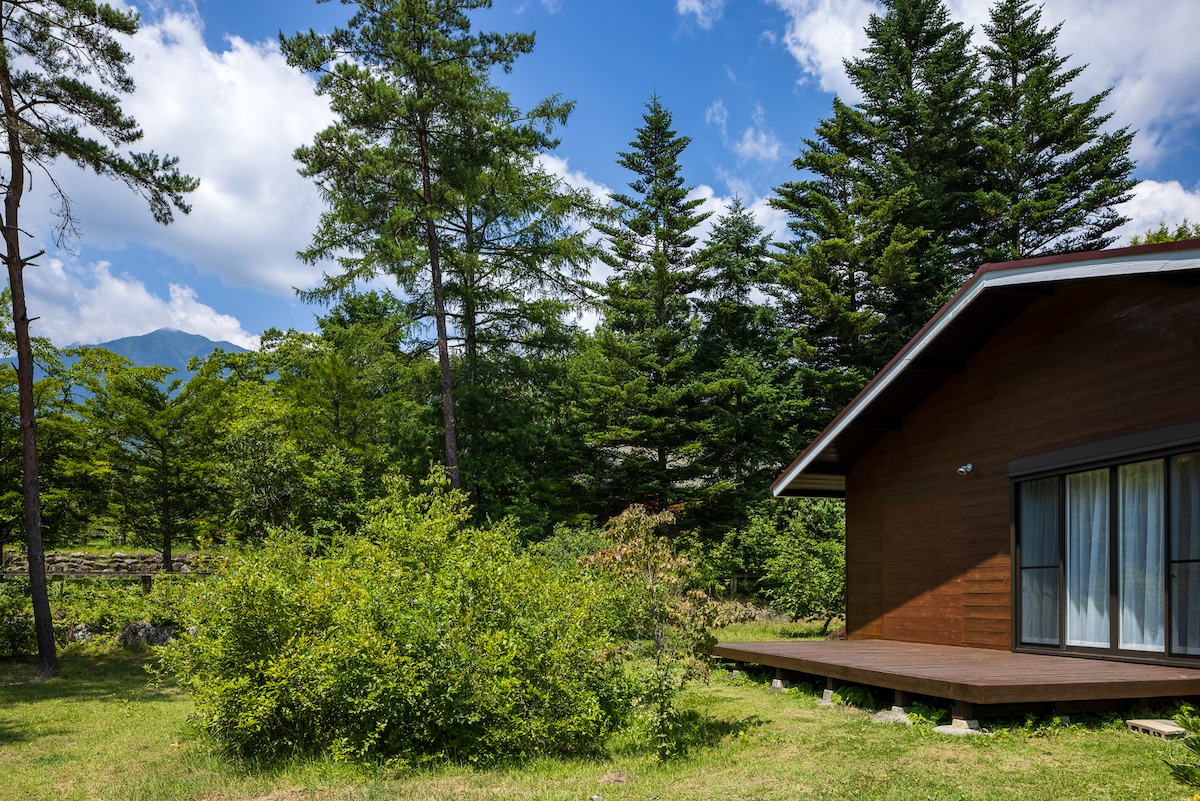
(1053, 177)
(430, 174)
(642, 375)
(60, 62)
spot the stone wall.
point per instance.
(61, 563)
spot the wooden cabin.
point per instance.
(1025, 474)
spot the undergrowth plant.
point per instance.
(675, 621)
(421, 638)
(1186, 771)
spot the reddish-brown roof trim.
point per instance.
(1015, 274)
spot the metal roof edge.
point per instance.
(1139, 260)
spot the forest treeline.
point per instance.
(564, 356)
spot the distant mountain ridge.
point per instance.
(167, 347)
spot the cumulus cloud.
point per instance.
(233, 118)
(1144, 51)
(821, 33)
(757, 143)
(576, 179)
(86, 305)
(706, 11)
(1157, 202)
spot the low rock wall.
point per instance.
(117, 564)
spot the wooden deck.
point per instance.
(972, 676)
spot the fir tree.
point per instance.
(886, 227)
(642, 374)
(915, 130)
(748, 398)
(1053, 177)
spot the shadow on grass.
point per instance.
(693, 730)
(110, 673)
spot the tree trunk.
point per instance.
(31, 501)
(439, 314)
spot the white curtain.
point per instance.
(1039, 561)
(1087, 559)
(1185, 553)
(1140, 556)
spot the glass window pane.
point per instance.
(1185, 608)
(1038, 502)
(1185, 506)
(1039, 605)
(1088, 511)
(1140, 542)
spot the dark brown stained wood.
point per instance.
(974, 675)
(927, 548)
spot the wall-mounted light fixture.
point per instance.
(966, 468)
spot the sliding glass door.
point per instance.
(1109, 558)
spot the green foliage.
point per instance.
(421, 639)
(806, 578)
(1053, 177)
(16, 619)
(854, 695)
(640, 384)
(109, 605)
(1185, 769)
(1161, 234)
(660, 609)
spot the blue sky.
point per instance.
(745, 79)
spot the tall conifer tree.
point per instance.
(1053, 177)
(887, 226)
(643, 375)
(749, 399)
(430, 173)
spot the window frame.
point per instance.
(1159, 444)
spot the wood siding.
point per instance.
(927, 548)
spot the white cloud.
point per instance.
(1156, 202)
(821, 33)
(1145, 51)
(561, 168)
(233, 118)
(89, 304)
(758, 142)
(717, 115)
(706, 11)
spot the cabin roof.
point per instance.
(991, 299)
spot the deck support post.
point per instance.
(963, 715)
(781, 680)
(901, 701)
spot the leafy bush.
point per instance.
(658, 608)
(109, 605)
(419, 639)
(17, 636)
(806, 578)
(1187, 770)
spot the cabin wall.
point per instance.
(927, 548)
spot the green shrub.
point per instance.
(17, 636)
(1187, 770)
(109, 605)
(419, 639)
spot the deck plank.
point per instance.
(974, 675)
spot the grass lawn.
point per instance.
(102, 731)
